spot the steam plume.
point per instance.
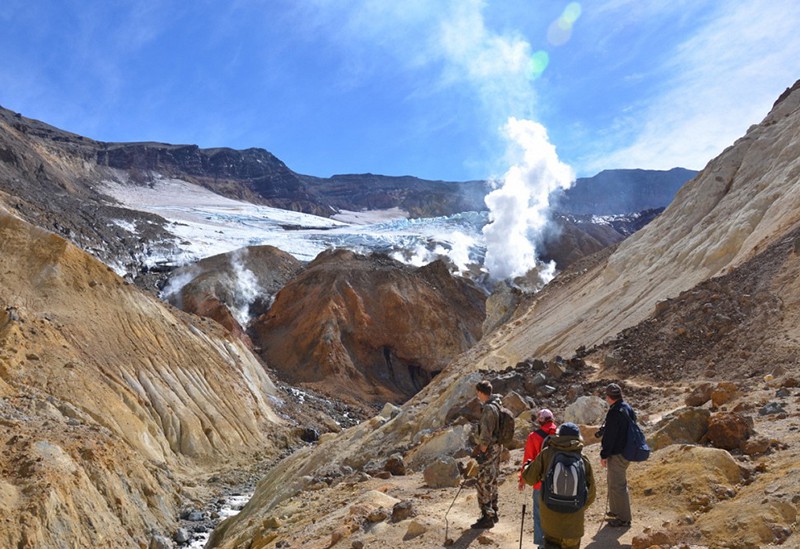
(518, 208)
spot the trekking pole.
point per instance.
(521, 526)
(605, 514)
(447, 540)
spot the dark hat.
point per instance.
(569, 430)
(614, 391)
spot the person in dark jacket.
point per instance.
(487, 453)
(561, 530)
(615, 435)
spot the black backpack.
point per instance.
(505, 425)
(636, 448)
(564, 488)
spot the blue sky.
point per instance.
(418, 87)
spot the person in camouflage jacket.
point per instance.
(487, 453)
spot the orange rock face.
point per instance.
(368, 328)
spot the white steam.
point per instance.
(456, 246)
(172, 290)
(246, 288)
(518, 208)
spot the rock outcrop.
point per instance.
(232, 288)
(368, 328)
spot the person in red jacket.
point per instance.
(533, 446)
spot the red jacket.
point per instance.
(534, 445)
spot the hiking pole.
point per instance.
(521, 525)
(447, 540)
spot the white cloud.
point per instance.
(717, 82)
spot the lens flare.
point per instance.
(571, 12)
(537, 64)
(560, 30)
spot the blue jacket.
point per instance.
(616, 429)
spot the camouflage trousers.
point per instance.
(487, 481)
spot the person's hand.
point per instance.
(521, 485)
(604, 462)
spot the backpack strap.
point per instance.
(496, 432)
(542, 433)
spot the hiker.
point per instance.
(487, 453)
(615, 434)
(546, 428)
(563, 514)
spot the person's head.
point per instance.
(544, 416)
(483, 389)
(568, 429)
(613, 393)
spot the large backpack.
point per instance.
(505, 425)
(564, 488)
(636, 448)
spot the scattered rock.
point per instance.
(700, 395)
(415, 529)
(772, 408)
(159, 542)
(574, 391)
(182, 535)
(395, 465)
(723, 393)
(390, 411)
(755, 446)
(378, 515)
(652, 539)
(402, 511)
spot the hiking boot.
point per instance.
(610, 516)
(619, 523)
(483, 523)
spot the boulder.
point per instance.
(729, 430)
(699, 395)
(402, 511)
(443, 443)
(415, 529)
(755, 446)
(515, 402)
(684, 426)
(587, 410)
(723, 393)
(442, 473)
(395, 465)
